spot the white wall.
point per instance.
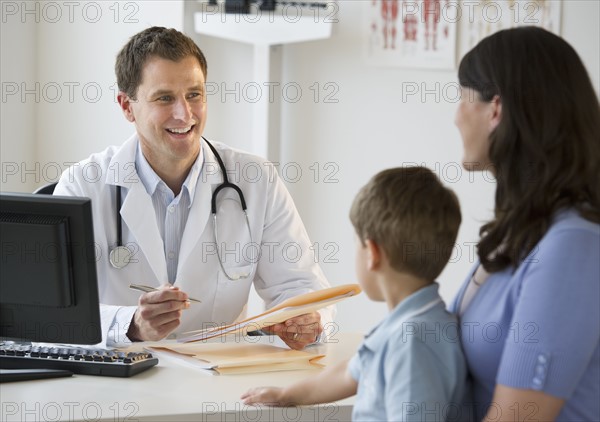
(369, 127)
(17, 115)
(65, 57)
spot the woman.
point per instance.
(530, 311)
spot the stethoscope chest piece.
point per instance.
(119, 257)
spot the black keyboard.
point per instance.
(84, 361)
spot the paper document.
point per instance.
(236, 358)
(292, 307)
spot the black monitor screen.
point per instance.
(48, 285)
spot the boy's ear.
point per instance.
(373, 255)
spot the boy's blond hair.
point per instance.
(409, 214)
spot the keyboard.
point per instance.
(106, 362)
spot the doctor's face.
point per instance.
(169, 112)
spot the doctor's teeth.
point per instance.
(183, 130)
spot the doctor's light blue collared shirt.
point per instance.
(171, 211)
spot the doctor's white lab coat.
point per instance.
(286, 263)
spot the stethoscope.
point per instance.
(120, 256)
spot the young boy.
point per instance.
(409, 367)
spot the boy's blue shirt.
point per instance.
(410, 367)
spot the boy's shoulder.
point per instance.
(436, 328)
(419, 321)
(430, 339)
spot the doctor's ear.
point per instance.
(125, 103)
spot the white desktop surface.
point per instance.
(173, 390)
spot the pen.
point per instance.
(148, 289)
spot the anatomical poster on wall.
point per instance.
(431, 34)
(419, 34)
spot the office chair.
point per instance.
(46, 189)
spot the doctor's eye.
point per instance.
(195, 96)
(164, 98)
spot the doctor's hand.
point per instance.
(158, 314)
(300, 331)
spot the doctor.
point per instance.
(153, 195)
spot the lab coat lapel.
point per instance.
(199, 213)
(137, 210)
(139, 216)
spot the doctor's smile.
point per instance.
(183, 131)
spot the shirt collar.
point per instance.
(379, 335)
(147, 175)
(191, 181)
(152, 181)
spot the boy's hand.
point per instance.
(332, 384)
(300, 331)
(271, 396)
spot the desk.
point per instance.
(172, 390)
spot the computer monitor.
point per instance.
(48, 283)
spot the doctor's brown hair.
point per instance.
(411, 216)
(156, 41)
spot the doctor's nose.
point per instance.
(182, 110)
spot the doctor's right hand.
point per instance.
(158, 314)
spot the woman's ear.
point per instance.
(373, 255)
(496, 111)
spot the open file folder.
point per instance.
(236, 358)
(287, 309)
